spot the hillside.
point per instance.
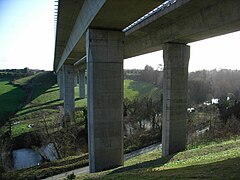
(11, 96)
(43, 104)
(139, 89)
(218, 160)
(212, 160)
(43, 98)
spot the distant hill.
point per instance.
(17, 73)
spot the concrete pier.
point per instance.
(58, 78)
(176, 58)
(105, 96)
(61, 83)
(81, 75)
(69, 101)
(75, 79)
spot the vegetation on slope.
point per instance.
(49, 169)
(139, 89)
(11, 96)
(44, 98)
(214, 161)
(43, 101)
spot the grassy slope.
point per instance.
(48, 169)
(139, 89)
(11, 97)
(215, 161)
(45, 99)
(42, 99)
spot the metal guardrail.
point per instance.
(161, 7)
(55, 14)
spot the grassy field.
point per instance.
(11, 96)
(139, 89)
(214, 161)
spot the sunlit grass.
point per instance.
(139, 89)
(43, 99)
(46, 100)
(212, 161)
(21, 128)
(25, 80)
(215, 161)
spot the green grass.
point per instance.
(139, 89)
(45, 99)
(21, 128)
(11, 96)
(215, 161)
(212, 161)
(25, 80)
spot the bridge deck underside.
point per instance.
(114, 15)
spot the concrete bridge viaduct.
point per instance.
(98, 34)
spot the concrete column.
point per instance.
(81, 84)
(69, 103)
(176, 58)
(105, 96)
(61, 83)
(58, 79)
(75, 79)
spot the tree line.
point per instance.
(203, 85)
(16, 73)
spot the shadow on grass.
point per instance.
(49, 91)
(41, 83)
(43, 104)
(10, 102)
(36, 87)
(226, 169)
(147, 164)
(42, 108)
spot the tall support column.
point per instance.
(61, 83)
(69, 103)
(81, 84)
(75, 79)
(105, 98)
(176, 58)
(58, 79)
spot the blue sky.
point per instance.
(27, 39)
(26, 34)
